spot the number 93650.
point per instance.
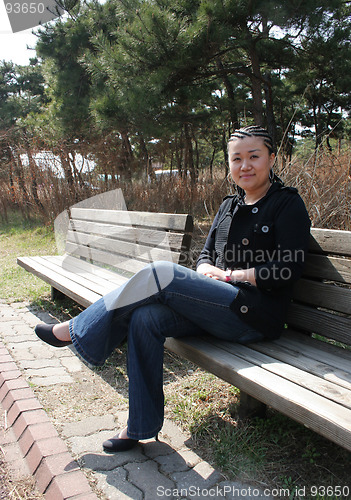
(25, 8)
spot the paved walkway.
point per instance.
(68, 462)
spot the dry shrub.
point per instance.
(323, 181)
(176, 195)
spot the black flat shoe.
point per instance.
(44, 332)
(115, 444)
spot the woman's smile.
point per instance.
(246, 176)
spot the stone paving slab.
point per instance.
(71, 463)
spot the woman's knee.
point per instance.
(163, 272)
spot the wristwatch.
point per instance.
(228, 275)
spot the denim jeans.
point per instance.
(162, 300)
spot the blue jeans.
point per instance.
(170, 301)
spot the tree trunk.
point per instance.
(197, 156)
(178, 155)
(211, 163)
(33, 173)
(23, 202)
(11, 181)
(145, 157)
(188, 153)
(271, 124)
(230, 93)
(225, 153)
(66, 167)
(256, 80)
(128, 155)
(318, 131)
(79, 181)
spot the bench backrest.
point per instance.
(127, 241)
(322, 297)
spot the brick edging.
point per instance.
(57, 474)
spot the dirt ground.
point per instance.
(12, 489)
(4, 481)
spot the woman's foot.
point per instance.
(56, 335)
(120, 442)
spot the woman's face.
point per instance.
(250, 162)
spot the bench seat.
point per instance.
(82, 281)
(295, 375)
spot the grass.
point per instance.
(274, 453)
(19, 237)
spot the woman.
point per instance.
(240, 291)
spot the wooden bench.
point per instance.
(106, 247)
(300, 374)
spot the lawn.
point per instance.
(19, 237)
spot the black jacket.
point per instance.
(272, 236)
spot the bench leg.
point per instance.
(56, 294)
(250, 407)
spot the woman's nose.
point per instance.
(245, 164)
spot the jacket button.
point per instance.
(244, 309)
(245, 241)
(254, 210)
(265, 229)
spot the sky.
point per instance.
(13, 46)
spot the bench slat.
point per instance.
(308, 360)
(76, 292)
(174, 222)
(290, 371)
(122, 248)
(128, 266)
(305, 318)
(82, 266)
(328, 268)
(150, 237)
(92, 282)
(333, 241)
(340, 354)
(323, 295)
(322, 415)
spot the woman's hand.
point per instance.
(236, 275)
(211, 271)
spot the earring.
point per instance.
(229, 180)
(271, 175)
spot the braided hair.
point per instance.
(255, 131)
